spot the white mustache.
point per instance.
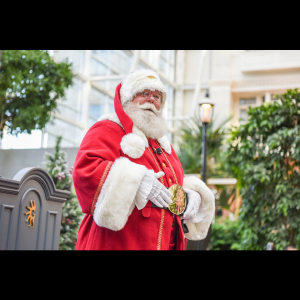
(149, 106)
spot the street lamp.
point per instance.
(206, 112)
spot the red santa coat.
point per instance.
(109, 167)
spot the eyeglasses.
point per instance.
(157, 98)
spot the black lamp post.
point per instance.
(206, 112)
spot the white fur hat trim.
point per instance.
(140, 80)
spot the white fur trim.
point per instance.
(111, 117)
(129, 143)
(165, 144)
(117, 198)
(198, 231)
(140, 80)
(141, 134)
(132, 145)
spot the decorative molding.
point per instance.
(269, 60)
(265, 85)
(8, 186)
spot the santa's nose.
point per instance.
(150, 99)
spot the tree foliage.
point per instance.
(30, 85)
(264, 155)
(225, 235)
(56, 166)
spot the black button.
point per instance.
(158, 151)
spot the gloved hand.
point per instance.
(152, 189)
(195, 208)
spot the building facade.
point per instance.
(98, 73)
(235, 80)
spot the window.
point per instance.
(70, 133)
(244, 106)
(76, 57)
(243, 114)
(166, 63)
(99, 104)
(117, 61)
(74, 94)
(163, 60)
(248, 101)
(96, 111)
(98, 69)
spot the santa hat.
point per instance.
(140, 80)
(134, 141)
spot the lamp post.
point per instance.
(206, 112)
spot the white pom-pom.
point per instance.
(132, 145)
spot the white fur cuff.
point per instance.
(198, 231)
(116, 200)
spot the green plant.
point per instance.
(225, 235)
(30, 85)
(190, 148)
(56, 166)
(264, 155)
(190, 151)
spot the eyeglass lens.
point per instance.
(147, 96)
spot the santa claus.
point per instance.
(123, 171)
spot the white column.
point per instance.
(198, 82)
(43, 138)
(86, 89)
(259, 100)
(268, 97)
(179, 79)
(178, 97)
(220, 95)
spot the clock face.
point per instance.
(178, 205)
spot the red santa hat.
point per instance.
(140, 80)
(134, 142)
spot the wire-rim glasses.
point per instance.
(146, 95)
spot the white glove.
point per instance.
(151, 189)
(195, 210)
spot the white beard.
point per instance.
(151, 123)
